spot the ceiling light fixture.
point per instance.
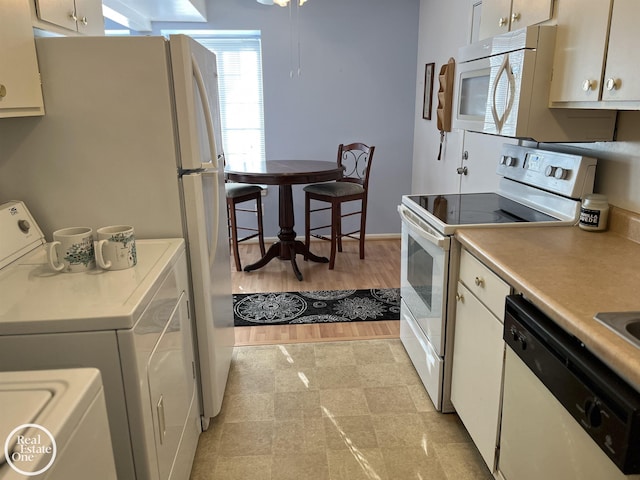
(294, 29)
(282, 3)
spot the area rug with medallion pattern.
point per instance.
(320, 306)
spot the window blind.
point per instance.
(239, 61)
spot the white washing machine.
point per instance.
(49, 417)
(133, 325)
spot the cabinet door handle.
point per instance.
(479, 281)
(459, 297)
(72, 16)
(3, 91)
(502, 21)
(613, 83)
(515, 17)
(589, 85)
(84, 21)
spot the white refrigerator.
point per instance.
(131, 135)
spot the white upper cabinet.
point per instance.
(593, 66)
(80, 16)
(501, 16)
(621, 81)
(580, 49)
(20, 90)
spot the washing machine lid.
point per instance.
(34, 299)
(20, 407)
(55, 400)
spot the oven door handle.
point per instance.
(423, 230)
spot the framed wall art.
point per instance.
(428, 90)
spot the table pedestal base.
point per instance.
(287, 247)
(287, 250)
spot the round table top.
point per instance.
(287, 172)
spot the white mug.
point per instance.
(72, 250)
(116, 248)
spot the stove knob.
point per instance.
(560, 173)
(549, 171)
(24, 226)
(507, 161)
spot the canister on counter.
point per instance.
(594, 212)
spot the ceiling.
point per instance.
(138, 14)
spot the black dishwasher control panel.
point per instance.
(606, 407)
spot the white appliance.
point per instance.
(503, 89)
(537, 188)
(134, 325)
(565, 414)
(132, 136)
(68, 404)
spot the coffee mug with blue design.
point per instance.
(72, 250)
(116, 248)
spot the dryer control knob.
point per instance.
(24, 225)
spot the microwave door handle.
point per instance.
(441, 242)
(208, 119)
(511, 91)
(497, 118)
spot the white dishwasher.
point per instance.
(565, 415)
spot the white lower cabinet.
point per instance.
(478, 354)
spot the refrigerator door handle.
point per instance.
(208, 119)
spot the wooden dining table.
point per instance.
(286, 173)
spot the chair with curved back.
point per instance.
(354, 186)
(238, 193)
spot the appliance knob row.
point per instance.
(556, 172)
(508, 161)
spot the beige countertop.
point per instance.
(571, 274)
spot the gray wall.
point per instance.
(357, 83)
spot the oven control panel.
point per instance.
(566, 174)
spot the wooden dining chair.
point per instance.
(239, 193)
(356, 159)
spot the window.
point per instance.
(239, 60)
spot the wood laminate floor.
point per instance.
(379, 269)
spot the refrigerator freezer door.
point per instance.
(105, 152)
(211, 278)
(195, 76)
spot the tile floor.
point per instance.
(346, 410)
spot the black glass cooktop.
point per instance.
(478, 208)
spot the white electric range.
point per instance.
(133, 325)
(537, 188)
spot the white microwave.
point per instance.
(503, 89)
